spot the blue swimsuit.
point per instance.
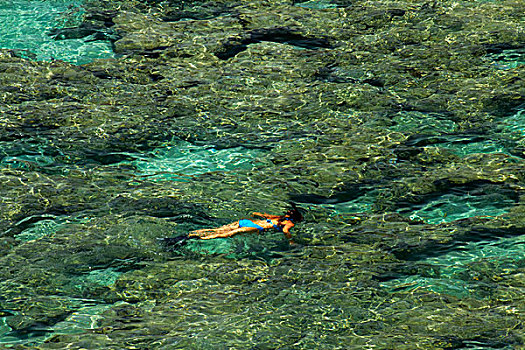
(250, 223)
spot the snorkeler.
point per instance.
(282, 223)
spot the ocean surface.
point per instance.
(125, 124)
(27, 27)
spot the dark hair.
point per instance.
(294, 213)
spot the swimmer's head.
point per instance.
(294, 213)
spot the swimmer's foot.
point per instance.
(176, 241)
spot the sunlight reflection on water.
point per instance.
(25, 27)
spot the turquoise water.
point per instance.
(40, 229)
(512, 133)
(488, 146)
(361, 204)
(25, 26)
(439, 208)
(424, 123)
(451, 207)
(84, 318)
(460, 272)
(181, 159)
(317, 4)
(515, 124)
(45, 226)
(508, 59)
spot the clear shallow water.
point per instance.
(25, 26)
(178, 161)
(84, 318)
(439, 132)
(362, 204)
(423, 123)
(488, 146)
(181, 158)
(46, 226)
(441, 208)
(112, 284)
(515, 124)
(460, 272)
(451, 207)
(508, 59)
(317, 4)
(27, 153)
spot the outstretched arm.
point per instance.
(286, 231)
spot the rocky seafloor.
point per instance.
(398, 126)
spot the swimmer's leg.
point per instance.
(210, 231)
(226, 234)
(201, 233)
